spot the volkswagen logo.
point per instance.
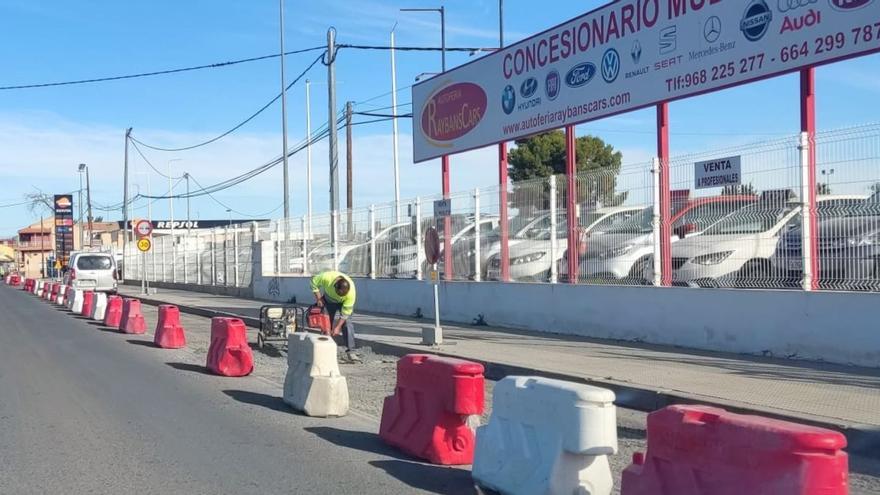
(610, 65)
(756, 20)
(712, 29)
(508, 99)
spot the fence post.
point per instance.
(305, 244)
(806, 213)
(372, 242)
(173, 260)
(214, 256)
(477, 264)
(226, 256)
(554, 242)
(185, 266)
(277, 245)
(235, 259)
(164, 261)
(655, 224)
(419, 251)
(153, 262)
(335, 241)
(199, 243)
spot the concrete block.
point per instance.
(313, 383)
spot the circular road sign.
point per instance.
(432, 246)
(143, 228)
(144, 244)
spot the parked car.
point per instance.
(404, 260)
(849, 246)
(530, 247)
(92, 271)
(626, 252)
(736, 251)
(357, 261)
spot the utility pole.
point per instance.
(308, 157)
(125, 200)
(188, 219)
(43, 247)
(349, 196)
(82, 232)
(394, 134)
(332, 121)
(89, 204)
(284, 124)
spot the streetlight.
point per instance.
(442, 11)
(84, 167)
(284, 119)
(229, 214)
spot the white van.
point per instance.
(92, 271)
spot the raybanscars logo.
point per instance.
(845, 5)
(453, 111)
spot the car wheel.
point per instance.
(755, 273)
(637, 273)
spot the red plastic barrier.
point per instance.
(699, 450)
(229, 353)
(426, 416)
(28, 285)
(15, 279)
(88, 303)
(132, 319)
(48, 291)
(68, 293)
(169, 331)
(113, 314)
(53, 294)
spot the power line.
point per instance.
(158, 73)
(415, 48)
(389, 116)
(239, 125)
(236, 211)
(15, 204)
(137, 148)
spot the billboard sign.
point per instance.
(63, 206)
(632, 54)
(720, 172)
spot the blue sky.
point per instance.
(45, 133)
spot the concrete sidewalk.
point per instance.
(645, 377)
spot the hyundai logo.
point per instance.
(610, 65)
(528, 87)
(580, 75)
(756, 20)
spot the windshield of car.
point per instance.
(754, 219)
(94, 263)
(641, 223)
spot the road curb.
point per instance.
(863, 440)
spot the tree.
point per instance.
(541, 156)
(823, 188)
(739, 190)
(875, 189)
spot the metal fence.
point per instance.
(740, 236)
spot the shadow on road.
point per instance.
(195, 368)
(359, 440)
(263, 400)
(144, 343)
(432, 479)
(267, 349)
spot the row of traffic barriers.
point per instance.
(547, 437)
(544, 436)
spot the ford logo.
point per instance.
(580, 75)
(528, 87)
(846, 5)
(453, 111)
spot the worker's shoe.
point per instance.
(350, 357)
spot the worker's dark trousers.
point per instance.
(347, 328)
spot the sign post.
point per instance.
(143, 229)
(433, 336)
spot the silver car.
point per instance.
(92, 271)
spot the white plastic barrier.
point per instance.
(75, 303)
(38, 288)
(62, 291)
(100, 307)
(547, 437)
(313, 383)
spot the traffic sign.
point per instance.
(144, 244)
(432, 246)
(143, 228)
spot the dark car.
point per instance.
(849, 248)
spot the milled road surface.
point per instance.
(85, 411)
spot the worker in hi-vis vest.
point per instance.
(335, 292)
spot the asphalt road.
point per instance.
(89, 411)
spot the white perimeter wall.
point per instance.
(834, 327)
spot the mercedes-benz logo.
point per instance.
(712, 29)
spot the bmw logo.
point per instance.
(610, 65)
(756, 20)
(552, 85)
(508, 99)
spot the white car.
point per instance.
(736, 251)
(404, 260)
(530, 247)
(92, 271)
